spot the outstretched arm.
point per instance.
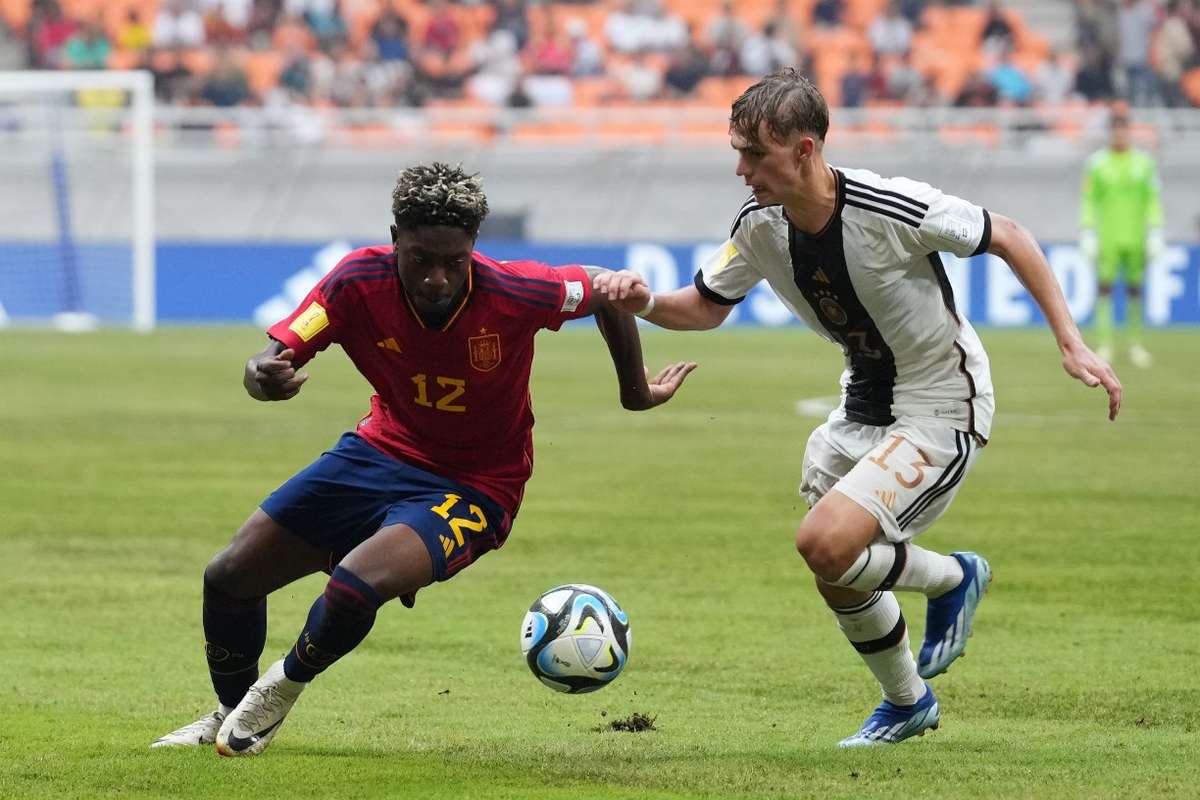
(1016, 245)
(270, 374)
(620, 333)
(681, 310)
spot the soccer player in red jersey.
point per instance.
(431, 477)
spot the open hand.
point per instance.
(664, 385)
(1084, 365)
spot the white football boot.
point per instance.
(251, 726)
(201, 732)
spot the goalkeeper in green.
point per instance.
(1121, 217)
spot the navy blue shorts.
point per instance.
(350, 492)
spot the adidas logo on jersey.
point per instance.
(389, 344)
(888, 497)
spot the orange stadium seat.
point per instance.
(15, 12)
(861, 13)
(262, 70)
(1191, 85)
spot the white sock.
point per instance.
(904, 567)
(223, 709)
(876, 629)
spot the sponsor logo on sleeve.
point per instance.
(574, 296)
(312, 321)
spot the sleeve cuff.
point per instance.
(985, 240)
(709, 294)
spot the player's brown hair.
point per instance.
(439, 195)
(787, 102)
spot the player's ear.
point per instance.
(395, 232)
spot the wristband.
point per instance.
(645, 312)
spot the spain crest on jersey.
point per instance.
(484, 351)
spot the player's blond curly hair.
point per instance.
(439, 195)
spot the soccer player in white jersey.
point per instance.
(855, 256)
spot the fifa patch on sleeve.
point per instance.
(726, 255)
(573, 297)
(957, 229)
(311, 322)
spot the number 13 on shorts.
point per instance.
(910, 477)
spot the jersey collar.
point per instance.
(457, 311)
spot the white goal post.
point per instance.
(87, 207)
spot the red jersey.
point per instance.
(452, 400)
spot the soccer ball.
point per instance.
(575, 638)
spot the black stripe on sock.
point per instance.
(891, 639)
(897, 567)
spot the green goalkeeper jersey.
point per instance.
(1120, 197)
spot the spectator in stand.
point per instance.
(912, 10)
(687, 66)
(88, 48)
(324, 18)
(856, 81)
(1176, 50)
(725, 34)
(295, 79)
(1135, 24)
(390, 34)
(624, 28)
(13, 53)
(905, 83)
(550, 54)
(1054, 80)
(442, 61)
(890, 33)
(174, 83)
(178, 24)
(264, 16)
(997, 34)
(1096, 27)
(828, 13)
(1011, 83)
(226, 84)
(587, 59)
(1093, 78)
(977, 92)
(766, 51)
(442, 33)
(497, 67)
(49, 29)
(664, 31)
(234, 14)
(512, 16)
(639, 80)
(134, 35)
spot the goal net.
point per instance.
(76, 211)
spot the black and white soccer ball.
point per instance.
(575, 638)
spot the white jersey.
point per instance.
(872, 281)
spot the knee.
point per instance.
(818, 547)
(231, 573)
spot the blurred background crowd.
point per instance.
(489, 53)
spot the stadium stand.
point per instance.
(563, 57)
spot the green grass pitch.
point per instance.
(126, 461)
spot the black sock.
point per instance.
(338, 620)
(235, 631)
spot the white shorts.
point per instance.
(905, 475)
